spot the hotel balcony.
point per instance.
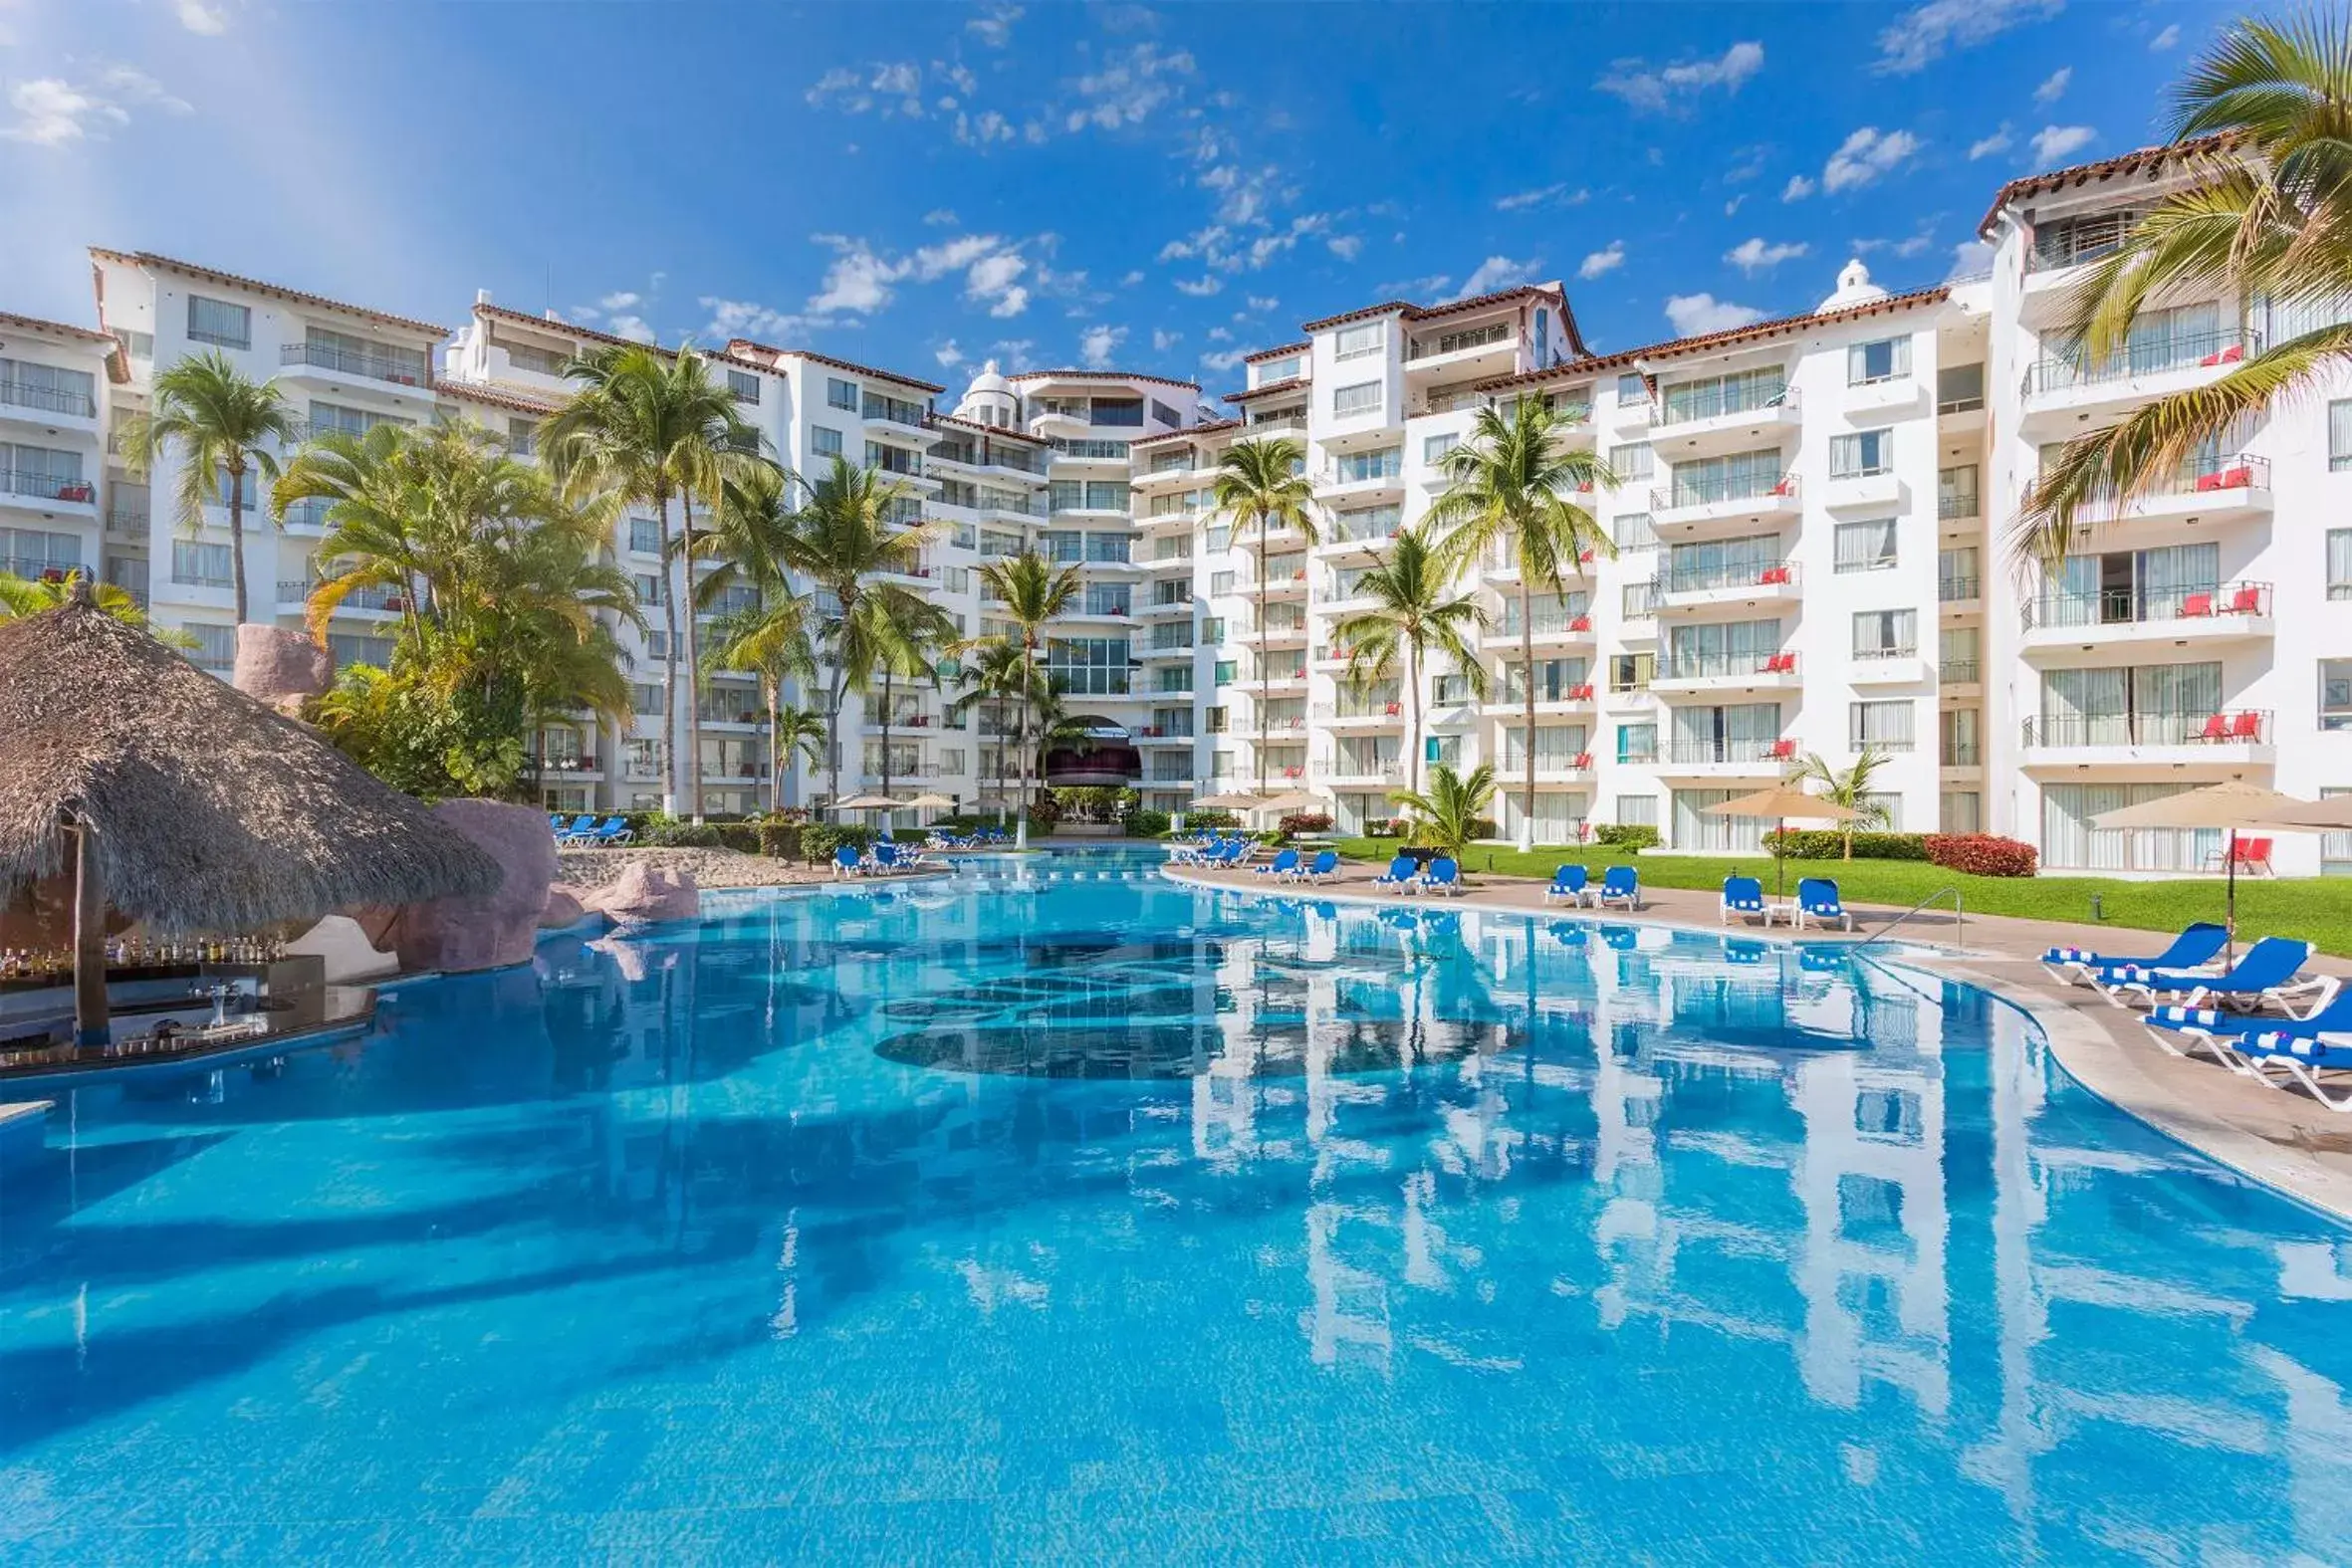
(1461, 354)
(1887, 667)
(1715, 427)
(1351, 774)
(1726, 758)
(1155, 735)
(1546, 629)
(1165, 651)
(47, 408)
(1346, 540)
(2206, 615)
(1333, 490)
(1501, 562)
(1713, 674)
(1699, 510)
(1507, 702)
(1958, 596)
(294, 598)
(1167, 564)
(1278, 634)
(2226, 489)
(341, 367)
(2185, 746)
(1360, 715)
(1280, 584)
(49, 494)
(1682, 591)
(1286, 681)
(2060, 393)
(1553, 770)
(1960, 681)
(128, 520)
(1165, 609)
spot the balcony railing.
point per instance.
(38, 568)
(1547, 623)
(1717, 491)
(1089, 448)
(1961, 672)
(292, 593)
(1359, 768)
(1724, 666)
(1698, 753)
(1957, 590)
(1961, 754)
(2141, 606)
(1737, 398)
(1359, 709)
(2083, 240)
(1166, 732)
(377, 367)
(128, 516)
(1886, 651)
(45, 487)
(2236, 726)
(2190, 350)
(49, 399)
(1955, 506)
(1780, 574)
(1454, 342)
(1554, 765)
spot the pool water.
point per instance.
(1065, 1215)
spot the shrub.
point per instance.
(1211, 818)
(1981, 855)
(1633, 837)
(818, 841)
(1384, 827)
(1045, 812)
(1146, 824)
(780, 837)
(1829, 843)
(669, 833)
(1296, 822)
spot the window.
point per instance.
(1962, 811)
(1864, 453)
(1212, 630)
(1220, 582)
(644, 698)
(1631, 672)
(1639, 600)
(1108, 495)
(201, 566)
(1960, 738)
(1448, 691)
(2339, 563)
(1960, 388)
(1633, 389)
(28, 553)
(219, 322)
(1433, 448)
(1633, 532)
(743, 386)
(1225, 673)
(1889, 806)
(1888, 1113)
(840, 394)
(1887, 360)
(216, 646)
(1712, 396)
(1273, 370)
(1633, 462)
(1353, 343)
(1865, 546)
(1886, 634)
(2335, 694)
(1165, 414)
(1881, 726)
(1361, 398)
(522, 437)
(541, 361)
(824, 441)
(139, 345)
(1637, 811)
(645, 536)
(1117, 411)
(1637, 742)
(1357, 467)
(51, 388)
(1958, 658)
(649, 586)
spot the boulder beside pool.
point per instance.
(646, 895)
(564, 906)
(495, 930)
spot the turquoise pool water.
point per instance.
(1065, 1215)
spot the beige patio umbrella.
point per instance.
(1295, 800)
(2231, 805)
(1776, 805)
(1230, 800)
(930, 801)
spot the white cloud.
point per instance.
(632, 328)
(1697, 313)
(1924, 34)
(1970, 258)
(1225, 359)
(52, 111)
(1209, 284)
(862, 280)
(197, 17)
(1998, 142)
(1164, 340)
(2054, 85)
(994, 27)
(2166, 38)
(940, 218)
(1131, 279)
(1013, 353)
(978, 131)
(2053, 144)
(1414, 288)
(948, 354)
(748, 319)
(1798, 188)
(1634, 81)
(1863, 156)
(1221, 334)
(1753, 255)
(618, 302)
(1097, 346)
(1733, 205)
(1606, 260)
(1549, 195)
(1348, 247)
(1263, 301)
(1131, 84)
(1496, 272)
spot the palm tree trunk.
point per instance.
(1413, 732)
(887, 682)
(832, 730)
(774, 748)
(237, 539)
(1265, 670)
(1029, 674)
(1526, 670)
(693, 660)
(669, 665)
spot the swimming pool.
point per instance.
(1065, 1214)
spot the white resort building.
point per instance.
(1810, 516)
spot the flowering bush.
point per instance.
(1296, 822)
(1981, 855)
(1829, 843)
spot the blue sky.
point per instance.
(1159, 188)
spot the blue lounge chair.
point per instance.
(581, 826)
(2227, 1036)
(2196, 946)
(1573, 883)
(846, 862)
(1284, 865)
(2264, 977)
(616, 830)
(1443, 876)
(1402, 876)
(1324, 867)
(1619, 885)
(2304, 1058)
(1743, 895)
(887, 857)
(554, 823)
(1816, 900)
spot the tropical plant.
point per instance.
(996, 672)
(32, 596)
(1849, 787)
(1034, 591)
(897, 644)
(1412, 611)
(647, 425)
(842, 538)
(1261, 486)
(749, 545)
(770, 642)
(1453, 808)
(1511, 486)
(798, 736)
(223, 423)
(2268, 216)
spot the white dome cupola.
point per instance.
(1853, 288)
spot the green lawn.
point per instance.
(2316, 909)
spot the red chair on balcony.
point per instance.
(2246, 727)
(1782, 750)
(1580, 693)
(1775, 574)
(1580, 623)
(1391, 710)
(2228, 355)
(1583, 761)
(1787, 487)
(2197, 604)
(2216, 728)
(2247, 600)
(1780, 664)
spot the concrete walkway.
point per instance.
(2280, 1138)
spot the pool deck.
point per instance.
(2280, 1138)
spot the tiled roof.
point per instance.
(1423, 313)
(738, 344)
(1297, 383)
(555, 326)
(34, 324)
(1480, 302)
(1212, 427)
(1103, 375)
(1384, 308)
(509, 397)
(2151, 162)
(1275, 353)
(999, 431)
(275, 291)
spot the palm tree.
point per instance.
(222, 420)
(996, 671)
(1263, 486)
(1849, 787)
(1033, 591)
(1454, 807)
(2269, 215)
(770, 641)
(842, 538)
(647, 426)
(797, 734)
(1411, 613)
(749, 545)
(32, 596)
(895, 642)
(1509, 487)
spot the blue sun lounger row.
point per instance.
(1287, 867)
(1406, 876)
(584, 832)
(1572, 885)
(2315, 1052)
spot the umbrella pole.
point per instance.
(1781, 857)
(2229, 924)
(91, 1026)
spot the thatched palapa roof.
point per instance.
(211, 812)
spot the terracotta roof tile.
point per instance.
(1384, 308)
(1212, 427)
(999, 431)
(2151, 162)
(738, 344)
(513, 398)
(1297, 383)
(275, 291)
(556, 326)
(1103, 375)
(34, 324)
(1275, 353)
